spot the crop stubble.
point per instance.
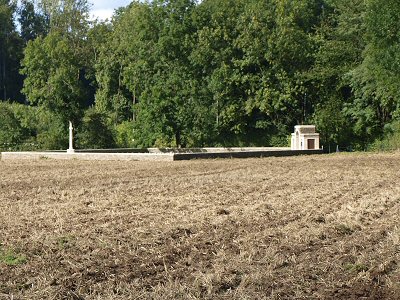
(315, 227)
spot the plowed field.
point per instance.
(314, 227)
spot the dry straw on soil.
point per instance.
(318, 227)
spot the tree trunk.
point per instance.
(133, 107)
(178, 138)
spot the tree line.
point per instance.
(185, 73)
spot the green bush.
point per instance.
(280, 141)
(52, 132)
(124, 135)
(24, 127)
(391, 139)
(12, 132)
(94, 132)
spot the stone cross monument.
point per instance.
(71, 139)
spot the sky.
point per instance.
(104, 9)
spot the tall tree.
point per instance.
(146, 64)
(375, 80)
(56, 66)
(340, 42)
(213, 59)
(254, 55)
(168, 98)
(283, 93)
(10, 54)
(114, 52)
(33, 22)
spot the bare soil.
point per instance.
(314, 227)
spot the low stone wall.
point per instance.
(181, 150)
(88, 156)
(208, 153)
(117, 150)
(245, 154)
(215, 149)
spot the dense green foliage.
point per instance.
(187, 73)
(24, 127)
(11, 48)
(94, 132)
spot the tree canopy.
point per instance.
(188, 73)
